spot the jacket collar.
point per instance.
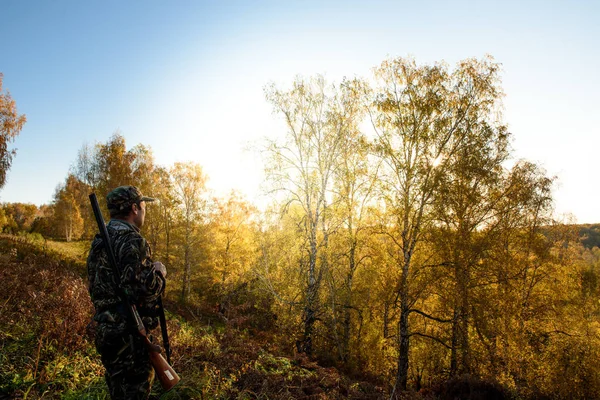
(119, 225)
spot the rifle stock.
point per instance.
(164, 372)
(166, 375)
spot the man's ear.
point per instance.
(135, 208)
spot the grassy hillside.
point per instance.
(44, 348)
(47, 352)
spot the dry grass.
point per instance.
(45, 308)
(45, 352)
(76, 250)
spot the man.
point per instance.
(129, 374)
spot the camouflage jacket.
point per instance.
(139, 279)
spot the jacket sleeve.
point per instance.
(140, 279)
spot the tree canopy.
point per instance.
(11, 124)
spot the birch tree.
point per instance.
(189, 183)
(355, 176)
(421, 116)
(301, 167)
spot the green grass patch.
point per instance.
(76, 250)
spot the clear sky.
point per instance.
(186, 77)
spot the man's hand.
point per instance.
(160, 267)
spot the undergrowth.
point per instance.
(46, 351)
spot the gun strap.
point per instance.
(163, 329)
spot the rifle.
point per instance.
(166, 374)
(163, 329)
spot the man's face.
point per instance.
(139, 214)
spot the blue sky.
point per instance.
(186, 77)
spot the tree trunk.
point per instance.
(454, 348)
(403, 345)
(168, 236)
(311, 297)
(386, 319)
(348, 305)
(464, 366)
(403, 329)
(187, 267)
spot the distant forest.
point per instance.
(589, 235)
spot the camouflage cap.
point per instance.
(124, 196)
